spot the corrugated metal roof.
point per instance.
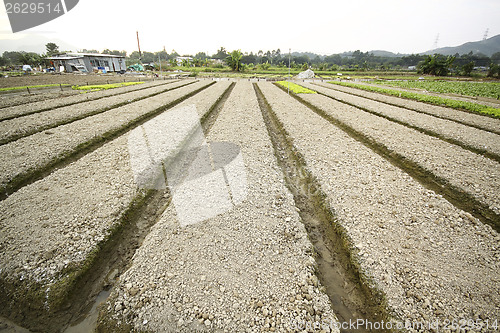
(95, 55)
(64, 58)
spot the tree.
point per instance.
(436, 65)
(221, 54)
(52, 49)
(496, 58)
(201, 56)
(234, 60)
(467, 68)
(494, 69)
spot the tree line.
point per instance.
(356, 60)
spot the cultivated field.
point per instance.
(339, 206)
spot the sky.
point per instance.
(323, 27)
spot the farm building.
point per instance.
(88, 62)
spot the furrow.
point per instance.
(475, 140)
(52, 258)
(42, 106)
(407, 241)
(351, 300)
(32, 157)
(245, 265)
(461, 117)
(19, 127)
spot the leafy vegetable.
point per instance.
(97, 87)
(295, 88)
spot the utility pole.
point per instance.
(289, 55)
(138, 45)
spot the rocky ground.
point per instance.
(228, 250)
(471, 119)
(433, 261)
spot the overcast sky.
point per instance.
(324, 27)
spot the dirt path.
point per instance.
(407, 240)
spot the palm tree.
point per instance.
(233, 60)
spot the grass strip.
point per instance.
(436, 100)
(97, 87)
(464, 88)
(295, 88)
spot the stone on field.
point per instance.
(308, 74)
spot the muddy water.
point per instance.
(89, 322)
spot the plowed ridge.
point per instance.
(431, 260)
(85, 203)
(35, 107)
(463, 117)
(37, 152)
(22, 126)
(467, 137)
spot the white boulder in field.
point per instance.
(308, 74)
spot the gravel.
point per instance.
(37, 151)
(446, 129)
(57, 222)
(486, 123)
(471, 173)
(248, 269)
(25, 125)
(15, 111)
(432, 261)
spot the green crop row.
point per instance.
(483, 89)
(295, 88)
(461, 105)
(97, 87)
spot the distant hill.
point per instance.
(486, 47)
(388, 54)
(33, 43)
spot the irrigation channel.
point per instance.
(350, 207)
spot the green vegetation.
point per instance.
(483, 89)
(467, 106)
(233, 60)
(29, 87)
(295, 88)
(436, 65)
(97, 87)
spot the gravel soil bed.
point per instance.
(25, 125)
(461, 134)
(52, 228)
(249, 269)
(10, 100)
(432, 261)
(37, 151)
(19, 110)
(67, 78)
(483, 122)
(473, 174)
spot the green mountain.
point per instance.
(486, 47)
